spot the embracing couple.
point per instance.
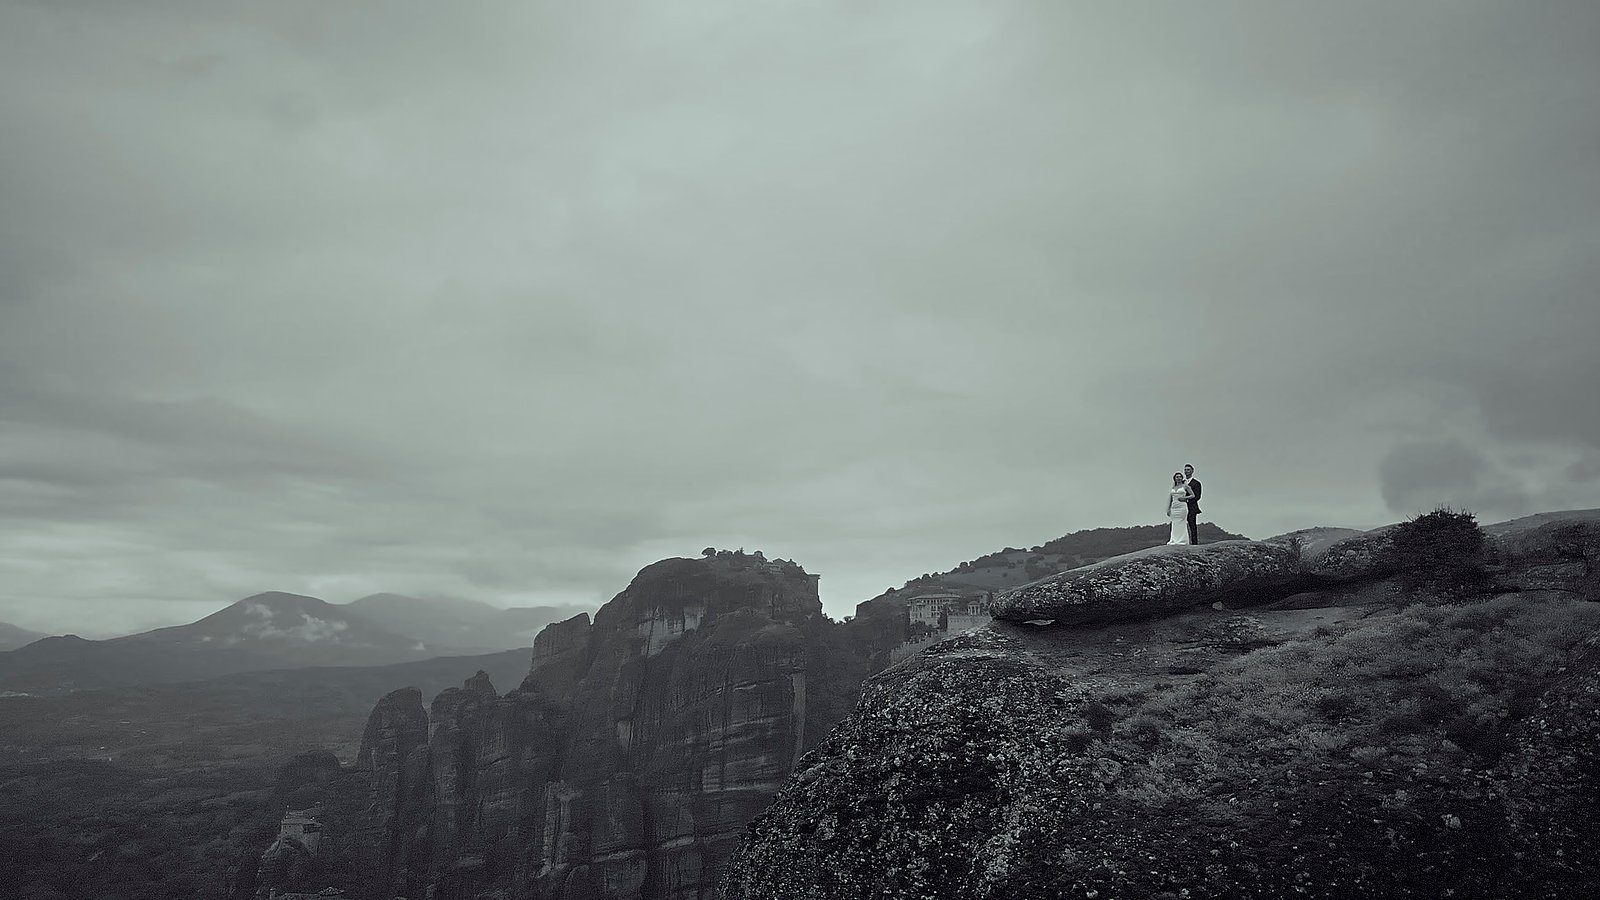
(1183, 504)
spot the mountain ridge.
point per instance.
(14, 636)
(268, 631)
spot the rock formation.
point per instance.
(626, 765)
(1166, 579)
(1554, 551)
(1156, 581)
(1323, 741)
(284, 862)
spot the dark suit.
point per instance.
(1194, 510)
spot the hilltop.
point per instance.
(12, 637)
(1406, 712)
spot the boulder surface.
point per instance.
(1158, 581)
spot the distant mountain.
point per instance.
(460, 625)
(267, 631)
(277, 630)
(525, 622)
(69, 662)
(12, 637)
(294, 630)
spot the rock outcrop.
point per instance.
(1553, 551)
(283, 863)
(1162, 580)
(1155, 582)
(561, 654)
(1350, 747)
(626, 765)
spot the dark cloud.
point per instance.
(507, 303)
(1546, 393)
(1585, 469)
(1420, 476)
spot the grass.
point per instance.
(1431, 684)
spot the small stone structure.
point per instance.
(924, 609)
(303, 825)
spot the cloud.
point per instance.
(508, 302)
(309, 629)
(1420, 476)
(1544, 392)
(1586, 468)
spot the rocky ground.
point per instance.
(1349, 737)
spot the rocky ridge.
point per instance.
(1314, 733)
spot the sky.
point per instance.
(507, 300)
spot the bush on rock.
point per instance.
(1441, 553)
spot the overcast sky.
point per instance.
(508, 300)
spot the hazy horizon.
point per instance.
(100, 634)
(507, 302)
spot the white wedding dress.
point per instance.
(1178, 512)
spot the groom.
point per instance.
(1194, 502)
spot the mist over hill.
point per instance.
(294, 628)
(276, 630)
(12, 637)
(459, 625)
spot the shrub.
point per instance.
(1077, 740)
(1441, 553)
(1099, 716)
(1337, 706)
(1145, 730)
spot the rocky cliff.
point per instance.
(627, 763)
(1399, 713)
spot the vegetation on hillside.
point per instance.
(1370, 746)
(83, 830)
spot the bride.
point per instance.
(1178, 509)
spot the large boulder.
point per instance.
(1335, 555)
(1159, 581)
(1550, 551)
(1314, 561)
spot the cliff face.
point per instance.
(1305, 736)
(626, 765)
